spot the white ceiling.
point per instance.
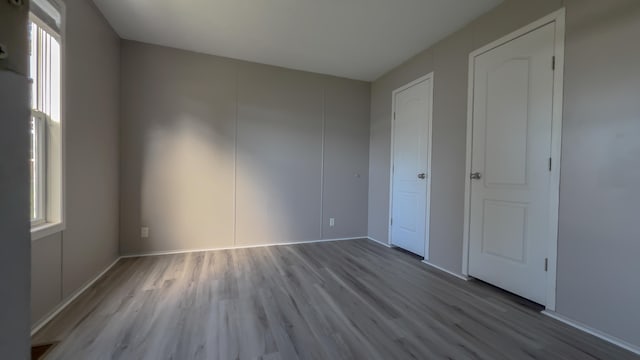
(358, 39)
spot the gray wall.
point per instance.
(64, 262)
(598, 235)
(46, 275)
(14, 185)
(219, 153)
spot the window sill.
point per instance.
(45, 230)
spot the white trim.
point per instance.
(53, 11)
(557, 17)
(446, 271)
(185, 251)
(40, 129)
(55, 134)
(589, 330)
(235, 158)
(467, 171)
(63, 114)
(47, 318)
(556, 154)
(322, 159)
(427, 240)
(46, 229)
(379, 242)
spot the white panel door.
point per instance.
(412, 108)
(512, 116)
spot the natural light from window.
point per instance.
(44, 71)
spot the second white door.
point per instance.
(410, 168)
(511, 163)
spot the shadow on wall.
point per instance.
(187, 187)
(216, 151)
(206, 180)
(180, 192)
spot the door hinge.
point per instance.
(546, 264)
(550, 162)
(394, 115)
(391, 221)
(553, 63)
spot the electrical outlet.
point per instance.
(332, 222)
(144, 232)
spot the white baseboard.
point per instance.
(597, 333)
(445, 270)
(45, 320)
(379, 242)
(170, 252)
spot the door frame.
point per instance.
(557, 17)
(429, 119)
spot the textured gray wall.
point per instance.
(14, 185)
(46, 275)
(598, 243)
(219, 153)
(90, 241)
(177, 142)
(92, 63)
(192, 124)
(345, 157)
(280, 114)
(599, 236)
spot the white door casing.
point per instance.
(513, 132)
(410, 167)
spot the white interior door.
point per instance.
(511, 153)
(410, 168)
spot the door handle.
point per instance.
(476, 176)
(422, 176)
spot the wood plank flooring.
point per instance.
(333, 300)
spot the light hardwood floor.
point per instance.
(334, 300)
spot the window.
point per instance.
(46, 135)
(37, 160)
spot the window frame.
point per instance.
(52, 145)
(39, 157)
